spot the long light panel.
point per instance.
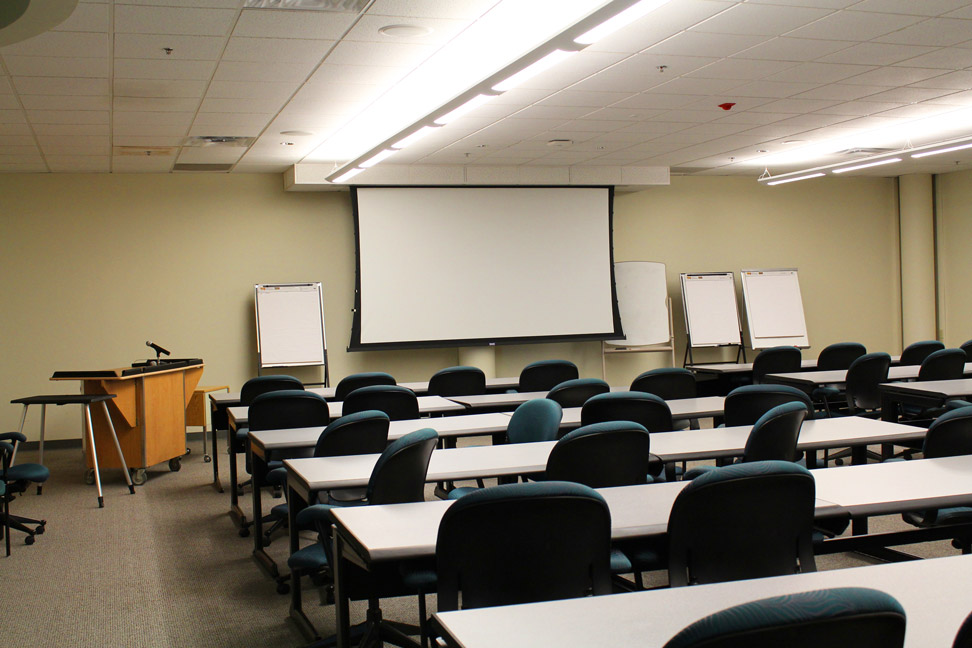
(542, 32)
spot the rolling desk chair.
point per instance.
(779, 359)
(669, 383)
(349, 383)
(836, 618)
(916, 352)
(967, 347)
(457, 381)
(574, 393)
(834, 357)
(399, 403)
(640, 407)
(250, 390)
(545, 374)
(15, 479)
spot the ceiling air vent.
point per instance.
(218, 140)
(865, 151)
(343, 6)
(143, 151)
(220, 168)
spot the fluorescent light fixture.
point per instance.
(867, 165)
(344, 177)
(414, 137)
(803, 177)
(944, 150)
(547, 62)
(613, 24)
(470, 105)
(375, 159)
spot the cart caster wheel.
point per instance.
(207, 459)
(188, 450)
(29, 540)
(244, 532)
(283, 588)
(89, 476)
(139, 476)
(175, 464)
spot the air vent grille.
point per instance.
(218, 140)
(342, 6)
(865, 151)
(143, 151)
(220, 168)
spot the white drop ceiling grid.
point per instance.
(98, 92)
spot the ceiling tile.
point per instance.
(65, 102)
(142, 163)
(270, 50)
(840, 92)
(78, 163)
(796, 106)
(130, 19)
(854, 26)
(152, 46)
(961, 80)
(14, 129)
(756, 19)
(934, 32)
(149, 129)
(948, 59)
(819, 73)
(244, 124)
(264, 72)
(793, 49)
(146, 140)
(9, 149)
(441, 30)
(251, 89)
(164, 69)
(923, 8)
(587, 99)
(5, 87)
(9, 102)
(64, 44)
(56, 66)
(71, 129)
(690, 43)
(775, 89)
(158, 88)
(451, 9)
(875, 54)
(859, 108)
(210, 154)
(125, 117)
(215, 4)
(67, 116)
(380, 54)
(155, 104)
(893, 76)
(86, 17)
(744, 69)
(660, 24)
(909, 95)
(268, 106)
(268, 23)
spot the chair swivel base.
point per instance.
(375, 631)
(17, 523)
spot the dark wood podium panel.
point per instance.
(148, 411)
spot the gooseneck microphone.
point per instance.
(159, 351)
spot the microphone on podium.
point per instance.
(159, 351)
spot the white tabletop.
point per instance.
(327, 473)
(839, 376)
(738, 367)
(419, 387)
(681, 408)
(934, 593)
(427, 405)
(943, 388)
(460, 425)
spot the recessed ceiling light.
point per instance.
(760, 150)
(559, 143)
(794, 141)
(404, 31)
(296, 133)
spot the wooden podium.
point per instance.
(148, 412)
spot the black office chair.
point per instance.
(399, 403)
(862, 395)
(967, 347)
(357, 380)
(279, 410)
(545, 374)
(250, 390)
(521, 543)
(834, 357)
(944, 364)
(398, 477)
(916, 352)
(949, 435)
(602, 455)
(16, 479)
(963, 638)
(744, 405)
(669, 383)
(836, 618)
(457, 381)
(640, 407)
(779, 359)
(537, 419)
(747, 520)
(774, 437)
(574, 393)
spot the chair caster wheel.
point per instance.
(29, 540)
(244, 532)
(283, 588)
(207, 459)
(175, 464)
(838, 462)
(40, 529)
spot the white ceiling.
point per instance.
(99, 93)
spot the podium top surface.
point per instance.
(63, 399)
(127, 372)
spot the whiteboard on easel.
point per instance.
(774, 308)
(290, 324)
(711, 310)
(643, 303)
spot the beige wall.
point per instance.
(95, 265)
(954, 218)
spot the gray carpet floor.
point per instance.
(166, 567)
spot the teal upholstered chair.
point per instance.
(457, 381)
(363, 379)
(574, 393)
(778, 359)
(837, 618)
(15, 479)
(545, 374)
(250, 390)
(643, 408)
(916, 352)
(834, 357)
(399, 403)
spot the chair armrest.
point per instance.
(13, 436)
(316, 516)
(277, 477)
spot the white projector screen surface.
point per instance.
(483, 264)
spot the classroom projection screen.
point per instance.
(454, 266)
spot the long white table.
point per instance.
(809, 380)
(928, 393)
(934, 593)
(371, 535)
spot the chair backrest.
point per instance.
(863, 377)
(535, 420)
(668, 383)
(521, 543)
(775, 434)
(359, 433)
(545, 374)
(779, 359)
(967, 347)
(916, 352)
(357, 380)
(288, 408)
(640, 407)
(836, 618)
(263, 384)
(399, 403)
(949, 435)
(839, 355)
(944, 364)
(746, 520)
(744, 405)
(399, 474)
(574, 393)
(963, 638)
(458, 381)
(601, 455)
